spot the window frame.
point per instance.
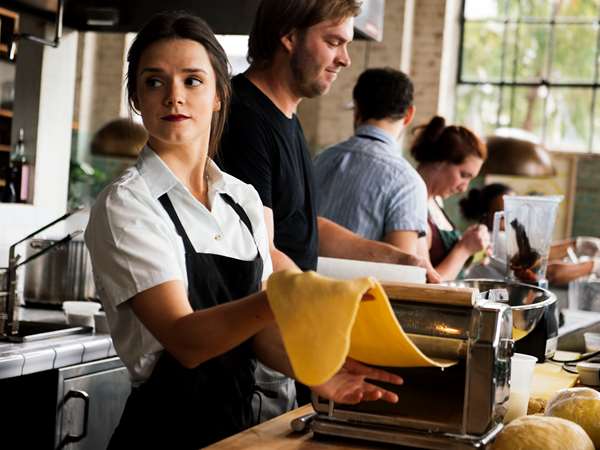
(507, 80)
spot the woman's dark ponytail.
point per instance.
(426, 137)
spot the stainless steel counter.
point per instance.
(576, 323)
(18, 359)
(570, 335)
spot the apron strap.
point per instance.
(242, 215)
(239, 210)
(165, 201)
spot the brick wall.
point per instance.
(426, 57)
(100, 86)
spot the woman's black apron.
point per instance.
(191, 408)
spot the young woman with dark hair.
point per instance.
(448, 158)
(180, 250)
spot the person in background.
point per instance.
(296, 49)
(120, 138)
(364, 183)
(480, 205)
(179, 250)
(448, 158)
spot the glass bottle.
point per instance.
(21, 161)
(19, 171)
(9, 194)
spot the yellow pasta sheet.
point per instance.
(323, 320)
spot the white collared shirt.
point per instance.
(134, 245)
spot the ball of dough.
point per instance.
(536, 405)
(564, 394)
(584, 411)
(542, 433)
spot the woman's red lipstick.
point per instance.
(175, 117)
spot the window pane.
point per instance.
(523, 107)
(539, 9)
(596, 141)
(482, 51)
(510, 52)
(583, 9)
(573, 53)
(532, 48)
(477, 107)
(484, 9)
(236, 47)
(568, 114)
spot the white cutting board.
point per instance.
(346, 269)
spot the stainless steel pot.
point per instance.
(4, 289)
(4, 298)
(62, 274)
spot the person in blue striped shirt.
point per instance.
(364, 183)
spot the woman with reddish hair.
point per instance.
(448, 157)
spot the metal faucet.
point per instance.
(9, 323)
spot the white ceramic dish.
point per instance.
(81, 313)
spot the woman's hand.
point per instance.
(475, 239)
(349, 385)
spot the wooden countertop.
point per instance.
(277, 434)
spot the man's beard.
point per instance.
(305, 73)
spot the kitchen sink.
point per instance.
(33, 331)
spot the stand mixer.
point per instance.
(529, 223)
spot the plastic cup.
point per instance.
(81, 313)
(592, 342)
(521, 373)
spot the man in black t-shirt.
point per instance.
(296, 48)
(267, 149)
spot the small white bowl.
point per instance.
(81, 313)
(83, 320)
